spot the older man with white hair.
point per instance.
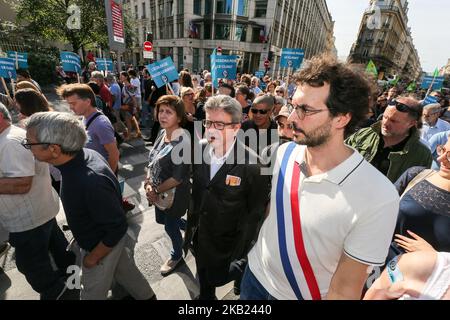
(431, 122)
(28, 207)
(90, 194)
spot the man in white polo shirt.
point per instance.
(332, 214)
(28, 207)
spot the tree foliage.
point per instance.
(47, 19)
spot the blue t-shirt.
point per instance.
(100, 132)
(117, 93)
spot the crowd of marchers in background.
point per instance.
(359, 182)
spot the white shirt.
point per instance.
(217, 163)
(427, 132)
(350, 209)
(22, 212)
(136, 83)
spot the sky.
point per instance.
(428, 20)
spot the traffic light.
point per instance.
(149, 36)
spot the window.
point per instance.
(222, 32)
(196, 60)
(180, 58)
(198, 7)
(224, 6)
(169, 9)
(260, 8)
(207, 34)
(256, 34)
(208, 54)
(180, 9)
(208, 6)
(180, 31)
(153, 13)
(136, 12)
(242, 8)
(144, 12)
(241, 32)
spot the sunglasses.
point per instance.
(256, 111)
(403, 107)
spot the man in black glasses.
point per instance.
(28, 207)
(325, 229)
(229, 196)
(261, 129)
(393, 145)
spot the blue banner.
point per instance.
(163, 72)
(223, 67)
(259, 74)
(437, 84)
(22, 58)
(8, 68)
(292, 58)
(104, 64)
(70, 62)
(429, 100)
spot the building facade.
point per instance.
(254, 30)
(385, 38)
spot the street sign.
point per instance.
(148, 46)
(148, 55)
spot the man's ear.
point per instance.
(342, 120)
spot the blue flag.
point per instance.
(292, 58)
(259, 74)
(429, 100)
(8, 68)
(104, 64)
(70, 62)
(438, 82)
(163, 72)
(223, 67)
(22, 58)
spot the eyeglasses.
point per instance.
(217, 124)
(303, 112)
(256, 111)
(189, 94)
(27, 145)
(282, 125)
(403, 107)
(441, 151)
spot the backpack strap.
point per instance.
(420, 177)
(95, 116)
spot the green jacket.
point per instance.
(415, 153)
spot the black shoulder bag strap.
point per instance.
(95, 116)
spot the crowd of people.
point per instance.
(294, 188)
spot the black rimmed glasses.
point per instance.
(440, 150)
(216, 124)
(303, 111)
(27, 145)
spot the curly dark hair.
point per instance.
(350, 89)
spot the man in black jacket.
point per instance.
(92, 202)
(230, 196)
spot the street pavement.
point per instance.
(151, 249)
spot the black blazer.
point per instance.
(226, 218)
